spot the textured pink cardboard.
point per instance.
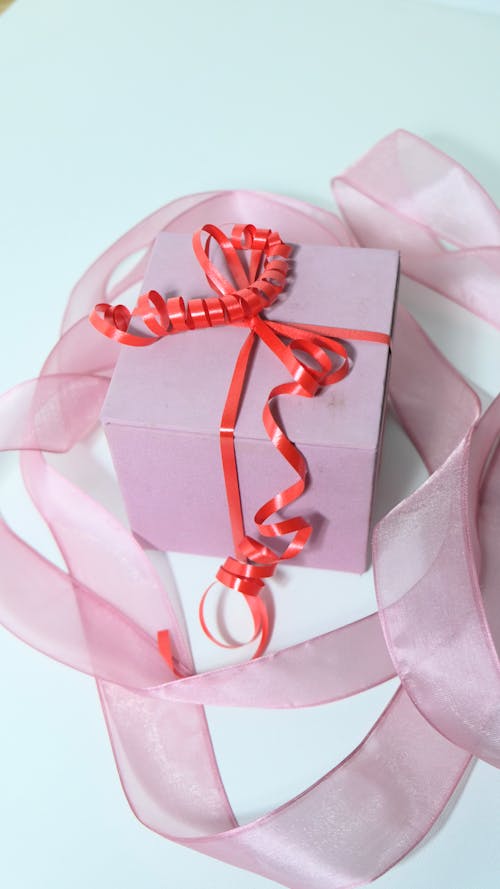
(165, 401)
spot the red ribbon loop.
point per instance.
(239, 300)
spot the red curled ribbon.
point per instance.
(240, 302)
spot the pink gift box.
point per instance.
(165, 401)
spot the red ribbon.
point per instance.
(240, 302)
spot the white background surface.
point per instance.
(488, 6)
(109, 109)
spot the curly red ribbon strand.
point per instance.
(240, 301)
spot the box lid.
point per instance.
(180, 383)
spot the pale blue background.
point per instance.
(109, 109)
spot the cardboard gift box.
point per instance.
(164, 405)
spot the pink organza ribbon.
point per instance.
(436, 557)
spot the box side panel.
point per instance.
(173, 488)
(337, 499)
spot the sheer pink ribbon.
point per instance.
(436, 558)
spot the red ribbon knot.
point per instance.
(240, 300)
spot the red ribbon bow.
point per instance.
(240, 302)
